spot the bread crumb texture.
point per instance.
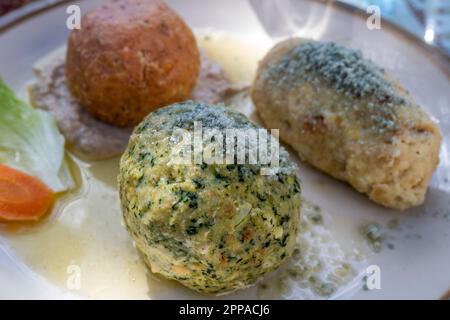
(347, 117)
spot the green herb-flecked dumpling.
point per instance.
(215, 228)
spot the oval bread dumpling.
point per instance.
(129, 58)
(347, 117)
(215, 228)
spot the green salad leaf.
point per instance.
(30, 142)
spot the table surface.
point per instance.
(9, 5)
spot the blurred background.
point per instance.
(427, 19)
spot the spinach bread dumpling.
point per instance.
(347, 117)
(215, 228)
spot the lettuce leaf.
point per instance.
(30, 142)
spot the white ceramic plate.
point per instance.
(417, 266)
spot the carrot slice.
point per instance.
(22, 197)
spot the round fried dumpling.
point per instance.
(215, 228)
(129, 58)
